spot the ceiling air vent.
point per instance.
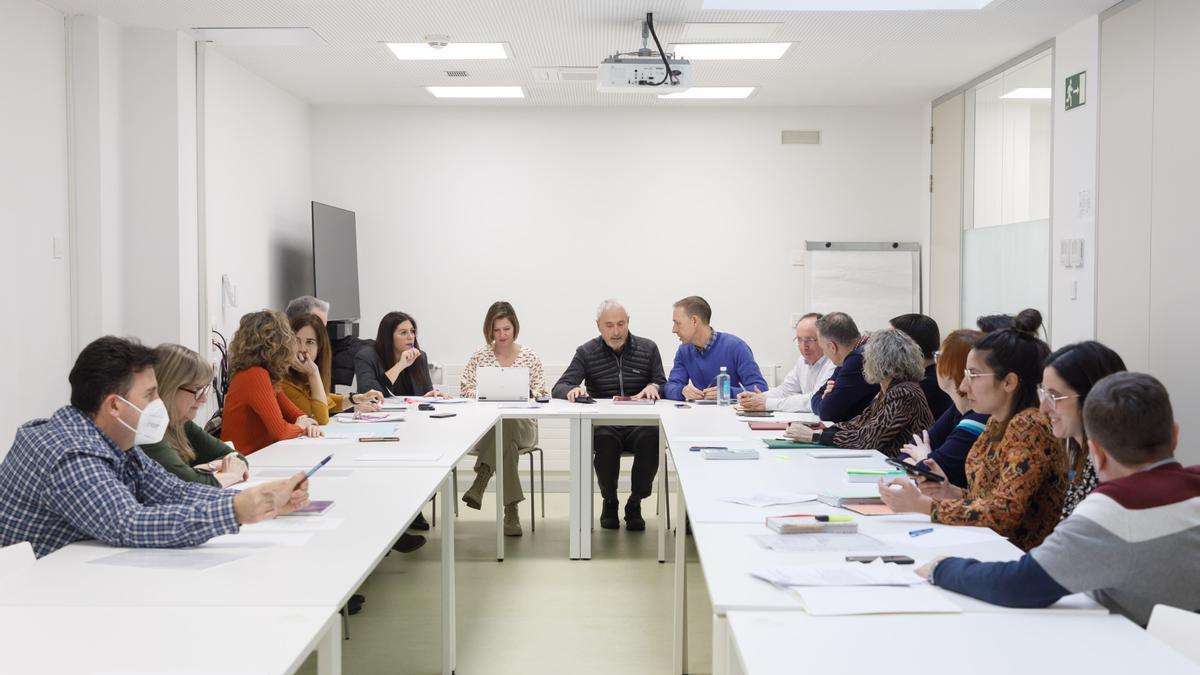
(801, 137)
(457, 73)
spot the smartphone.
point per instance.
(897, 559)
(756, 413)
(915, 470)
(425, 406)
(317, 467)
(378, 439)
(682, 405)
(542, 399)
(441, 416)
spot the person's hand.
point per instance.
(232, 464)
(305, 365)
(366, 402)
(710, 393)
(919, 449)
(434, 393)
(902, 496)
(408, 356)
(373, 396)
(938, 490)
(828, 388)
(691, 393)
(752, 400)
(309, 427)
(650, 392)
(576, 393)
(926, 571)
(800, 432)
(277, 498)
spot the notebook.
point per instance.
(872, 475)
(782, 444)
(768, 426)
(729, 453)
(809, 524)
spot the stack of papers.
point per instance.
(808, 543)
(847, 600)
(839, 574)
(770, 499)
(358, 430)
(367, 418)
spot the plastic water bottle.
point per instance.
(723, 390)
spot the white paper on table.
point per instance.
(943, 536)
(368, 418)
(399, 456)
(770, 499)
(325, 472)
(169, 558)
(300, 524)
(848, 600)
(818, 541)
(840, 454)
(519, 406)
(437, 401)
(839, 574)
(359, 430)
(258, 540)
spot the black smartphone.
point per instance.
(441, 416)
(424, 406)
(682, 405)
(378, 439)
(542, 399)
(915, 470)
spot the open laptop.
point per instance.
(502, 384)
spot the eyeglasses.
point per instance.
(936, 355)
(1044, 396)
(971, 376)
(805, 341)
(198, 393)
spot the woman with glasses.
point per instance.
(184, 381)
(1070, 374)
(1016, 471)
(307, 383)
(949, 440)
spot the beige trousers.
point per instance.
(517, 434)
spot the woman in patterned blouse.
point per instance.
(899, 411)
(1070, 374)
(1016, 471)
(500, 330)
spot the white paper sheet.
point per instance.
(325, 472)
(875, 600)
(839, 574)
(357, 430)
(298, 524)
(810, 542)
(169, 558)
(839, 454)
(770, 499)
(257, 540)
(369, 418)
(943, 536)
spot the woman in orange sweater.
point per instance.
(257, 413)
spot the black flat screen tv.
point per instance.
(335, 261)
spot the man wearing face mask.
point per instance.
(81, 475)
(615, 364)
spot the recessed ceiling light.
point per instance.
(1028, 94)
(261, 37)
(712, 92)
(455, 51)
(846, 5)
(731, 51)
(725, 31)
(476, 92)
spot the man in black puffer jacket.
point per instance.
(618, 363)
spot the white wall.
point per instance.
(557, 209)
(33, 212)
(1073, 290)
(257, 168)
(1147, 234)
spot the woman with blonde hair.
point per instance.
(257, 413)
(187, 450)
(307, 383)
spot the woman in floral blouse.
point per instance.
(500, 330)
(1017, 470)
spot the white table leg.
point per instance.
(679, 647)
(720, 645)
(663, 496)
(449, 608)
(576, 527)
(586, 496)
(735, 657)
(499, 490)
(329, 648)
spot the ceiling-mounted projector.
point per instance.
(644, 71)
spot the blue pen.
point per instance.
(318, 466)
(917, 533)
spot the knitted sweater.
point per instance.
(701, 366)
(256, 413)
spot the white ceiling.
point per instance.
(839, 58)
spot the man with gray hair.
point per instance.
(307, 304)
(618, 365)
(812, 370)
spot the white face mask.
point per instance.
(152, 423)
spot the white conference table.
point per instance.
(215, 640)
(374, 508)
(785, 643)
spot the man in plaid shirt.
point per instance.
(79, 474)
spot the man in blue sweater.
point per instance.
(699, 359)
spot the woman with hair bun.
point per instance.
(1016, 471)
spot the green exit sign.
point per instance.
(1076, 90)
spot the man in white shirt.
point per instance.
(811, 371)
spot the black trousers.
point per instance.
(609, 442)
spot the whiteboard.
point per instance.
(870, 281)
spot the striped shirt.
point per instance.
(891, 420)
(1132, 544)
(64, 480)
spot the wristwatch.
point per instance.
(352, 401)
